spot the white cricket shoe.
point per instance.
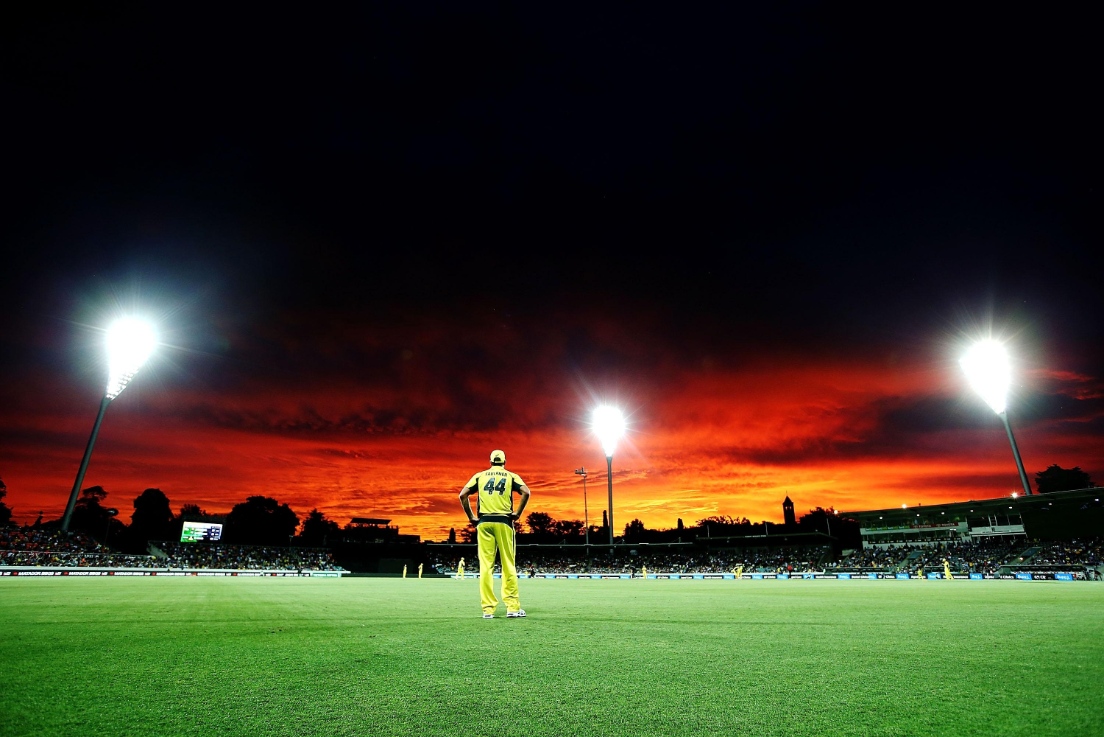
(515, 615)
(489, 616)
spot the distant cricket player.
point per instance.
(420, 569)
(947, 569)
(404, 571)
(460, 569)
(495, 488)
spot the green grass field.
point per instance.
(374, 656)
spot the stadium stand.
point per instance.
(990, 558)
(242, 557)
(29, 546)
(998, 557)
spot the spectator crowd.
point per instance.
(32, 546)
(987, 557)
(245, 557)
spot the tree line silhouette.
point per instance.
(261, 520)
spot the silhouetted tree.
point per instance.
(722, 525)
(540, 525)
(260, 520)
(152, 518)
(843, 529)
(89, 514)
(719, 520)
(635, 531)
(467, 534)
(5, 511)
(192, 513)
(318, 531)
(568, 528)
(1055, 478)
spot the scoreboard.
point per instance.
(194, 532)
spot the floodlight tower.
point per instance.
(586, 520)
(130, 342)
(987, 369)
(609, 424)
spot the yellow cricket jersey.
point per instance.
(496, 488)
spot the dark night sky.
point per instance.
(373, 233)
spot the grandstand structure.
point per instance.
(1056, 516)
(374, 530)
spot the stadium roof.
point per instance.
(933, 513)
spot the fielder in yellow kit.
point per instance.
(495, 488)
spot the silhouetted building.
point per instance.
(372, 530)
(788, 513)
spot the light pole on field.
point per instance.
(609, 424)
(586, 520)
(129, 344)
(987, 369)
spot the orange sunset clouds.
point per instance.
(396, 438)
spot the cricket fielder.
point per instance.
(947, 569)
(495, 488)
(460, 570)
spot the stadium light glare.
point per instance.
(130, 342)
(987, 369)
(609, 425)
(989, 373)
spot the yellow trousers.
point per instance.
(497, 537)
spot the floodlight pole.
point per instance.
(84, 464)
(609, 487)
(581, 471)
(1015, 452)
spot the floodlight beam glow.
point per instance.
(130, 341)
(609, 425)
(987, 369)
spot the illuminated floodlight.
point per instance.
(130, 342)
(609, 426)
(987, 369)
